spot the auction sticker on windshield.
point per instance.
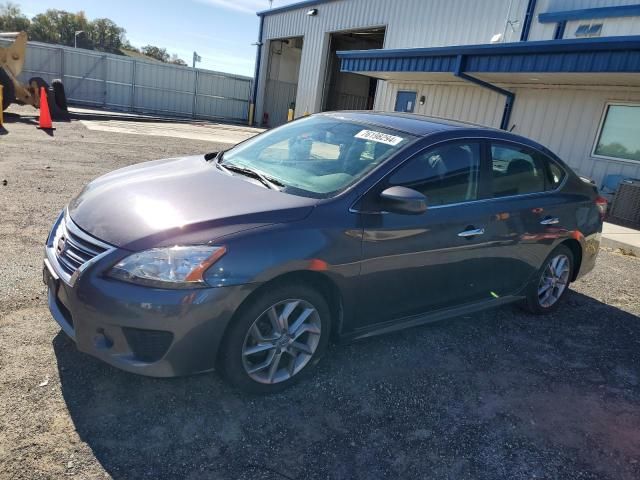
(379, 137)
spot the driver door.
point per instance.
(431, 261)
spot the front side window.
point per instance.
(620, 133)
(317, 156)
(516, 171)
(446, 174)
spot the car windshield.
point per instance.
(317, 156)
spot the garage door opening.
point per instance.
(283, 71)
(350, 91)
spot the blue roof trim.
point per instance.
(590, 13)
(293, 6)
(612, 54)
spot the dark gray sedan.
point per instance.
(339, 225)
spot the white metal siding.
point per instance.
(566, 5)
(457, 101)
(614, 26)
(611, 27)
(409, 23)
(564, 119)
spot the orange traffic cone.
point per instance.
(44, 122)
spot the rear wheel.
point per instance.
(8, 89)
(551, 283)
(276, 339)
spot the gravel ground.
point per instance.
(496, 395)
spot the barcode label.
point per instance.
(379, 137)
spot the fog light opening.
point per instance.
(102, 340)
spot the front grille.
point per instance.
(73, 247)
(148, 345)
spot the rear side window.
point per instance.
(445, 174)
(516, 170)
(555, 175)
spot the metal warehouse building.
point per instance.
(563, 72)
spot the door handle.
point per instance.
(550, 221)
(471, 233)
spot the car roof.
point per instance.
(423, 126)
(412, 123)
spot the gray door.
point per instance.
(418, 263)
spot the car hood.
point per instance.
(178, 201)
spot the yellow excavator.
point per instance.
(14, 91)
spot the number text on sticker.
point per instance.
(379, 137)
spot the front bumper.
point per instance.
(149, 331)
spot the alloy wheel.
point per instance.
(281, 341)
(554, 280)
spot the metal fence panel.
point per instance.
(129, 84)
(42, 61)
(220, 96)
(84, 77)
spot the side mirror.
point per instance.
(403, 200)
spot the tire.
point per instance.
(539, 300)
(247, 356)
(8, 90)
(40, 82)
(59, 95)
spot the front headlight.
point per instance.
(173, 267)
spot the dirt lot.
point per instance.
(496, 395)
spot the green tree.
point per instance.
(12, 19)
(177, 60)
(158, 53)
(106, 35)
(58, 26)
(126, 45)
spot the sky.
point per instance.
(221, 31)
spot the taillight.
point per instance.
(601, 203)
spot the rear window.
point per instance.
(555, 174)
(519, 170)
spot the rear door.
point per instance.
(528, 216)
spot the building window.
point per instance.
(619, 136)
(589, 30)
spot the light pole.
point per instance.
(196, 58)
(75, 38)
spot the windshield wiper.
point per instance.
(269, 182)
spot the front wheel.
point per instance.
(552, 282)
(275, 338)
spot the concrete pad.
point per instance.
(624, 238)
(211, 132)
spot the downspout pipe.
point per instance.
(528, 20)
(510, 97)
(256, 76)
